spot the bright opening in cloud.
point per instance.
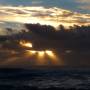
(26, 44)
(40, 60)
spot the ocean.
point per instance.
(45, 78)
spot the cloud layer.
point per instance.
(51, 16)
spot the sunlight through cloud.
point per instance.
(26, 44)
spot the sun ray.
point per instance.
(54, 59)
(41, 58)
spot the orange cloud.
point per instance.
(50, 16)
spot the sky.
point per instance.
(82, 6)
(49, 12)
(14, 13)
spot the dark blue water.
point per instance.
(21, 79)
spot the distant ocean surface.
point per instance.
(37, 79)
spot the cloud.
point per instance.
(83, 1)
(50, 16)
(84, 4)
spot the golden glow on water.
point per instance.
(26, 44)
